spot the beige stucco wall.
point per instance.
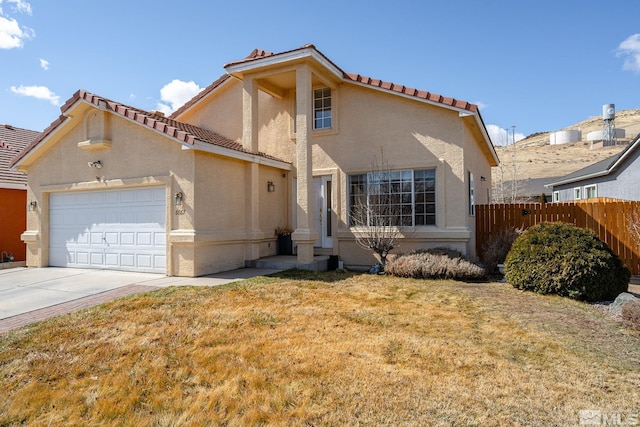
(373, 127)
(206, 235)
(220, 111)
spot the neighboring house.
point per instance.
(280, 140)
(615, 177)
(13, 192)
(526, 190)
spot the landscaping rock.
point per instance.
(616, 306)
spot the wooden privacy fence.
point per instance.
(607, 217)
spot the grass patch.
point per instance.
(322, 349)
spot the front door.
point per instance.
(322, 213)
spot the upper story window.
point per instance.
(322, 108)
(577, 194)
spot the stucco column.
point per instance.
(252, 190)
(304, 235)
(252, 211)
(250, 114)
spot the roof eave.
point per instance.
(229, 152)
(579, 178)
(307, 53)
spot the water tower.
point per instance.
(609, 129)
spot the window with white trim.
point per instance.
(556, 196)
(577, 193)
(402, 198)
(322, 108)
(590, 191)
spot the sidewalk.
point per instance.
(33, 295)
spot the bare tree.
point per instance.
(377, 212)
(507, 186)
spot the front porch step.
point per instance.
(288, 262)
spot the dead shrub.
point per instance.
(496, 248)
(631, 314)
(439, 263)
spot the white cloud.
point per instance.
(19, 6)
(481, 105)
(500, 136)
(12, 35)
(44, 64)
(630, 50)
(38, 92)
(175, 94)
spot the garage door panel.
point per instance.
(128, 238)
(128, 260)
(96, 238)
(112, 260)
(119, 229)
(160, 261)
(81, 258)
(111, 238)
(144, 239)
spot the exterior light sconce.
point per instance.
(270, 187)
(97, 164)
(32, 206)
(482, 178)
(178, 198)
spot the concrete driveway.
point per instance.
(32, 294)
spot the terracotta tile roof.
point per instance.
(433, 97)
(181, 131)
(257, 54)
(12, 141)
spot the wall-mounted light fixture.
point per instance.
(178, 198)
(97, 164)
(482, 178)
(270, 187)
(33, 205)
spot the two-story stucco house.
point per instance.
(279, 140)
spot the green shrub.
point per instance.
(631, 314)
(559, 258)
(439, 263)
(497, 246)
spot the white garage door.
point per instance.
(111, 229)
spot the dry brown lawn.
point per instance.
(328, 349)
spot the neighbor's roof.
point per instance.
(598, 169)
(180, 131)
(12, 141)
(358, 78)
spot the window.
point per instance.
(556, 196)
(403, 198)
(322, 108)
(576, 193)
(590, 192)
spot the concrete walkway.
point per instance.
(29, 295)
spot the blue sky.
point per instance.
(537, 65)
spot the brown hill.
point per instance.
(534, 157)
